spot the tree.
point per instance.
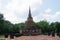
(44, 26)
(7, 27)
(57, 27)
(53, 26)
(1, 23)
(20, 25)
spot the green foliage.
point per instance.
(1, 16)
(52, 26)
(20, 25)
(1, 22)
(1, 36)
(43, 25)
(57, 25)
(8, 27)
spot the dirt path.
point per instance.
(40, 37)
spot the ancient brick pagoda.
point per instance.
(30, 28)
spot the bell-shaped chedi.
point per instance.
(30, 28)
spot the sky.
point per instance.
(16, 11)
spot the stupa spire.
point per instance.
(29, 13)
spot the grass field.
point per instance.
(1, 36)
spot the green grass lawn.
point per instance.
(1, 36)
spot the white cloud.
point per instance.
(48, 10)
(15, 10)
(48, 17)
